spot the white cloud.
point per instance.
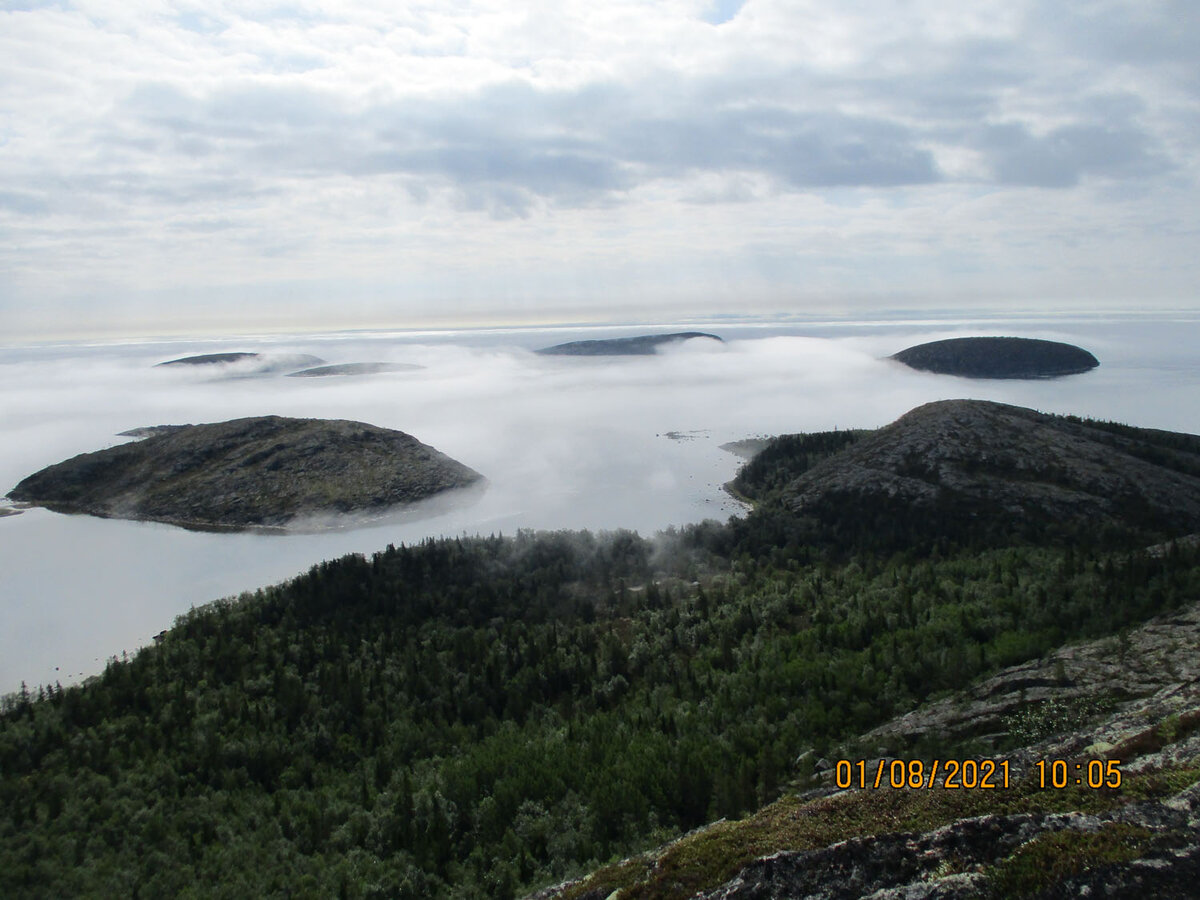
(164, 162)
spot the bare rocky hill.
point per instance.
(262, 471)
(964, 466)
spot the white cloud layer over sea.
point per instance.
(565, 442)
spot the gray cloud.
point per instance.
(799, 149)
(570, 147)
(1156, 33)
(1064, 155)
(511, 144)
(943, 84)
(23, 202)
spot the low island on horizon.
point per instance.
(641, 345)
(998, 357)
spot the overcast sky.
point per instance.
(209, 165)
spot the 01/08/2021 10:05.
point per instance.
(971, 774)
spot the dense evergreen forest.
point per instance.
(477, 717)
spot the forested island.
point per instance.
(642, 345)
(259, 471)
(487, 717)
(998, 357)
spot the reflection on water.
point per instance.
(564, 443)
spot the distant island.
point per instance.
(998, 357)
(262, 471)
(642, 345)
(210, 359)
(360, 368)
(252, 363)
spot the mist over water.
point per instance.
(565, 442)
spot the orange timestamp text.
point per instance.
(973, 774)
(949, 774)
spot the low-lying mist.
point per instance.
(564, 442)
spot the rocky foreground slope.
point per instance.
(1027, 836)
(261, 471)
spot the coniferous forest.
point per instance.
(480, 717)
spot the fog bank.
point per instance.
(564, 442)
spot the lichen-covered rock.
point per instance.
(916, 866)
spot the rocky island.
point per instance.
(252, 472)
(983, 468)
(642, 345)
(998, 357)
